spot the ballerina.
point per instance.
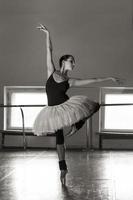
(63, 111)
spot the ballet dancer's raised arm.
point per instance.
(75, 82)
(50, 63)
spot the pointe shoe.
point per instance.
(63, 176)
(72, 131)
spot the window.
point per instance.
(116, 118)
(27, 95)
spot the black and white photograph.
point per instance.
(66, 100)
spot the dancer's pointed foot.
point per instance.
(63, 176)
(72, 131)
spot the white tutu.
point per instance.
(52, 118)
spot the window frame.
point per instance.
(111, 90)
(8, 90)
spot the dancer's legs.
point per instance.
(61, 154)
(75, 127)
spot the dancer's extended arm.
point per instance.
(75, 82)
(50, 63)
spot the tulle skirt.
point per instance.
(52, 118)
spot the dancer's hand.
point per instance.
(117, 80)
(42, 28)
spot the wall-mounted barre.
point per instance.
(23, 120)
(102, 104)
(2, 105)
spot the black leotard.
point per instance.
(56, 92)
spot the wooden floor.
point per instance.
(94, 175)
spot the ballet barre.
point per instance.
(113, 135)
(22, 132)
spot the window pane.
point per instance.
(30, 113)
(118, 117)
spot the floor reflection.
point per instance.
(97, 175)
(39, 178)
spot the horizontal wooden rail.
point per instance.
(2, 105)
(102, 104)
(24, 133)
(117, 104)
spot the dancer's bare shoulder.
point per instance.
(58, 77)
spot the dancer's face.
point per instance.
(69, 64)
